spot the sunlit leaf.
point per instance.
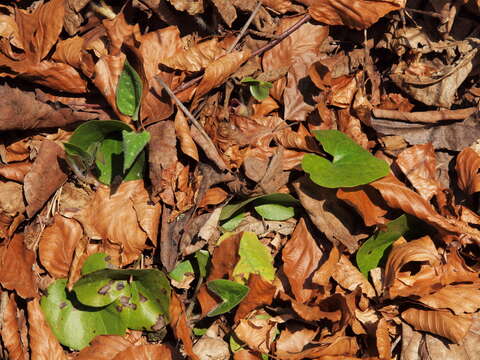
(275, 211)
(202, 257)
(258, 89)
(181, 270)
(133, 144)
(230, 292)
(352, 165)
(232, 223)
(95, 262)
(129, 92)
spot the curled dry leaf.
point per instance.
(182, 130)
(282, 6)
(443, 323)
(293, 339)
(123, 235)
(421, 250)
(15, 171)
(179, 325)
(349, 277)
(301, 256)
(10, 331)
(341, 346)
(146, 352)
(57, 245)
(211, 348)
(467, 166)
(16, 263)
(419, 166)
(257, 331)
(43, 344)
(37, 187)
(104, 347)
(356, 14)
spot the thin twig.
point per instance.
(257, 52)
(423, 12)
(245, 27)
(427, 117)
(189, 115)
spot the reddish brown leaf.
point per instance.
(213, 196)
(104, 347)
(179, 325)
(146, 352)
(11, 198)
(443, 323)
(356, 14)
(340, 345)
(16, 171)
(460, 298)
(467, 166)
(43, 344)
(293, 339)
(16, 268)
(183, 133)
(57, 245)
(245, 355)
(195, 58)
(349, 277)
(257, 331)
(261, 293)
(11, 336)
(301, 256)
(282, 6)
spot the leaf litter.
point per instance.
(239, 179)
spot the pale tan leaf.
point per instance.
(11, 198)
(43, 344)
(460, 298)
(294, 338)
(257, 331)
(349, 277)
(443, 323)
(195, 58)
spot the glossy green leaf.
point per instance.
(95, 262)
(259, 89)
(74, 324)
(373, 250)
(255, 258)
(275, 211)
(202, 257)
(140, 297)
(133, 144)
(109, 160)
(181, 270)
(230, 292)
(94, 131)
(284, 199)
(352, 165)
(250, 81)
(232, 223)
(129, 92)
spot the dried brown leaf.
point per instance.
(15, 171)
(443, 323)
(43, 344)
(195, 58)
(11, 198)
(301, 256)
(257, 331)
(104, 347)
(460, 298)
(37, 187)
(146, 352)
(294, 338)
(341, 346)
(282, 6)
(349, 277)
(16, 268)
(57, 245)
(182, 129)
(213, 196)
(226, 10)
(467, 166)
(10, 332)
(261, 293)
(179, 325)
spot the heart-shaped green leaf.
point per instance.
(129, 92)
(74, 324)
(275, 211)
(351, 166)
(230, 292)
(133, 144)
(372, 251)
(255, 258)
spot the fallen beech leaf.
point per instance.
(301, 256)
(195, 58)
(350, 278)
(282, 6)
(340, 345)
(182, 130)
(179, 325)
(356, 14)
(145, 352)
(123, 235)
(226, 10)
(419, 166)
(57, 245)
(443, 323)
(460, 298)
(323, 274)
(37, 187)
(293, 339)
(213, 196)
(219, 70)
(104, 347)
(467, 166)
(43, 344)
(11, 198)
(15, 171)
(16, 263)
(261, 293)
(257, 331)
(11, 332)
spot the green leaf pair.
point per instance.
(110, 147)
(352, 165)
(106, 302)
(259, 89)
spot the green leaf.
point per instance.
(94, 131)
(351, 166)
(129, 92)
(230, 292)
(255, 258)
(139, 297)
(285, 199)
(95, 262)
(183, 268)
(235, 343)
(199, 331)
(372, 251)
(258, 89)
(250, 81)
(202, 257)
(232, 223)
(275, 211)
(74, 324)
(81, 159)
(133, 144)
(110, 160)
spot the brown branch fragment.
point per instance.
(427, 117)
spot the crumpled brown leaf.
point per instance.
(37, 187)
(11, 198)
(11, 329)
(16, 171)
(16, 263)
(349, 277)
(356, 14)
(43, 344)
(460, 298)
(467, 166)
(261, 293)
(293, 339)
(178, 322)
(145, 352)
(124, 235)
(104, 347)
(182, 130)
